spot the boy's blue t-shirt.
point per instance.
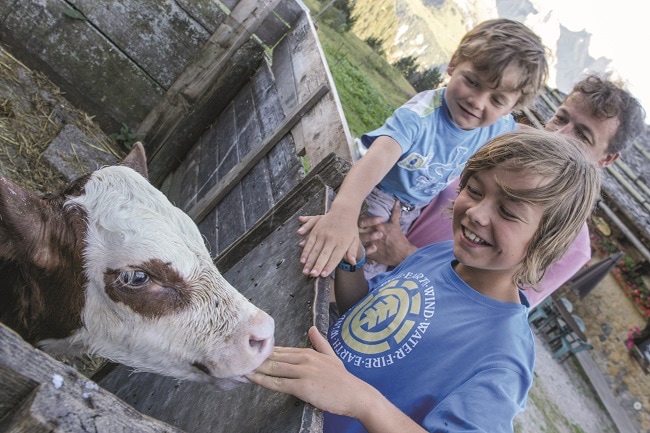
(434, 149)
(449, 357)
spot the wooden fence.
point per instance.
(233, 100)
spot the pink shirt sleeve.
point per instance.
(558, 273)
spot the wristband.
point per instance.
(345, 266)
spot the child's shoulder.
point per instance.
(426, 102)
(439, 250)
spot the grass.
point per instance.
(370, 89)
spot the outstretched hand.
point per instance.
(316, 376)
(327, 239)
(384, 241)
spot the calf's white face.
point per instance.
(153, 299)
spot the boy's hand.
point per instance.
(326, 240)
(316, 376)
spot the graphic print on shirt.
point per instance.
(434, 176)
(387, 325)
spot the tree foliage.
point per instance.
(338, 15)
(376, 44)
(429, 79)
(407, 66)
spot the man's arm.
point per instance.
(385, 243)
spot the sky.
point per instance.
(617, 30)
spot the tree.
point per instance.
(407, 66)
(338, 14)
(429, 79)
(376, 44)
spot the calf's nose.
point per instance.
(261, 340)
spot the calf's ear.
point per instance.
(26, 226)
(137, 160)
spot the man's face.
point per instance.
(574, 118)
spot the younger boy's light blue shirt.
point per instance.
(434, 149)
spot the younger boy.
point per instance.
(498, 66)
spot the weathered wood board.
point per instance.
(268, 274)
(40, 394)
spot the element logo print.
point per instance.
(387, 324)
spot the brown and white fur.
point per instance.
(110, 267)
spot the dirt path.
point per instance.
(561, 400)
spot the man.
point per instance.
(598, 111)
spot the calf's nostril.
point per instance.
(201, 366)
(260, 345)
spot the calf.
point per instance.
(110, 267)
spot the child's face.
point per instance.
(491, 230)
(472, 102)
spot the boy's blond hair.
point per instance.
(568, 194)
(494, 45)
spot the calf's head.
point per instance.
(112, 268)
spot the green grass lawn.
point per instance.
(368, 86)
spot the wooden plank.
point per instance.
(255, 182)
(94, 75)
(188, 179)
(269, 275)
(330, 172)
(215, 195)
(291, 10)
(231, 223)
(159, 35)
(272, 30)
(299, 66)
(230, 4)
(213, 76)
(282, 67)
(15, 388)
(284, 166)
(221, 141)
(55, 397)
(324, 129)
(209, 13)
(186, 123)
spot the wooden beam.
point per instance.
(330, 173)
(164, 130)
(213, 196)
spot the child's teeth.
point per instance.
(472, 237)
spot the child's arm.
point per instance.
(336, 235)
(318, 377)
(350, 287)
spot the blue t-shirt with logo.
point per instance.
(447, 356)
(434, 149)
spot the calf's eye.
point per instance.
(133, 278)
